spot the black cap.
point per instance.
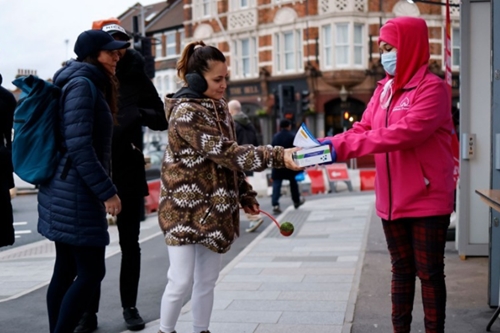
(93, 41)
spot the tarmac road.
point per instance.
(28, 313)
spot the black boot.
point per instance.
(87, 324)
(133, 319)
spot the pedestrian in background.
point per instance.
(284, 138)
(72, 206)
(203, 184)
(7, 107)
(138, 105)
(246, 134)
(408, 126)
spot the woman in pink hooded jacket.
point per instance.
(407, 126)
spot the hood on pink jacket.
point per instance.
(413, 52)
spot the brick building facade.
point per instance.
(327, 47)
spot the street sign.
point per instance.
(337, 172)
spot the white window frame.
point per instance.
(455, 48)
(182, 38)
(327, 50)
(241, 4)
(206, 6)
(356, 49)
(173, 54)
(166, 82)
(159, 46)
(202, 9)
(280, 50)
(167, 85)
(342, 45)
(358, 45)
(238, 58)
(159, 85)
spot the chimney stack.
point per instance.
(26, 72)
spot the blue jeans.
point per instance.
(78, 272)
(294, 189)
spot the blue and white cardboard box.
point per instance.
(312, 152)
(312, 156)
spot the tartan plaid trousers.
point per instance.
(416, 247)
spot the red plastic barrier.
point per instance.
(337, 171)
(317, 181)
(151, 201)
(367, 179)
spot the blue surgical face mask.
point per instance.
(389, 62)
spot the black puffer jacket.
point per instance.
(7, 106)
(139, 105)
(246, 134)
(71, 209)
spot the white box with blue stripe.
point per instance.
(312, 156)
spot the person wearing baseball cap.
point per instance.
(73, 205)
(91, 42)
(113, 27)
(139, 105)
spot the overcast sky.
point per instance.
(33, 33)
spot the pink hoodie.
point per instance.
(411, 139)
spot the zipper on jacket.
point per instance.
(389, 217)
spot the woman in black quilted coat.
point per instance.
(7, 106)
(72, 206)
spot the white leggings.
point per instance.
(188, 264)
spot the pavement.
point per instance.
(331, 276)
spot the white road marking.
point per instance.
(20, 223)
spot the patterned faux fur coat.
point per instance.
(202, 182)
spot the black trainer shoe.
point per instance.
(133, 319)
(276, 210)
(87, 324)
(300, 203)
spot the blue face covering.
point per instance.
(389, 62)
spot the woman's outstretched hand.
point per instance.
(289, 162)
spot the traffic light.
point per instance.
(286, 102)
(345, 119)
(276, 107)
(304, 101)
(144, 45)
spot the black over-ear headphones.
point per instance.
(196, 82)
